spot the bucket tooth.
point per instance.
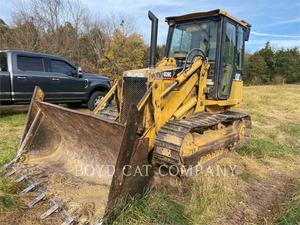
(22, 178)
(69, 220)
(37, 199)
(30, 187)
(55, 206)
(70, 217)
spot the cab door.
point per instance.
(65, 83)
(28, 72)
(228, 59)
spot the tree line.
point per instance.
(269, 66)
(107, 45)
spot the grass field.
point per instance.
(262, 186)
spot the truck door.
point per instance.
(28, 72)
(65, 84)
(5, 90)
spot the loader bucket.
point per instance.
(82, 162)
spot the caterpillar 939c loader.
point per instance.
(176, 113)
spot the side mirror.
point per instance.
(79, 72)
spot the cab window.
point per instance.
(59, 66)
(3, 61)
(199, 34)
(228, 61)
(30, 63)
(240, 49)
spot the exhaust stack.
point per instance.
(153, 45)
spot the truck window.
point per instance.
(59, 66)
(29, 63)
(3, 61)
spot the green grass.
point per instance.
(154, 208)
(249, 177)
(275, 113)
(259, 148)
(206, 197)
(292, 132)
(8, 190)
(278, 142)
(292, 215)
(11, 127)
(7, 186)
(7, 202)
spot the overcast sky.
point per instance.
(274, 20)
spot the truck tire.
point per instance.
(95, 99)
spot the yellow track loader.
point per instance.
(176, 114)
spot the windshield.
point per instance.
(200, 34)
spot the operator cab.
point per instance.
(214, 35)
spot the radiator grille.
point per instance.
(134, 89)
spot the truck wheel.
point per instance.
(95, 99)
(74, 105)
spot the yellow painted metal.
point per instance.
(195, 141)
(176, 99)
(236, 91)
(183, 76)
(211, 156)
(170, 88)
(156, 102)
(144, 99)
(167, 62)
(106, 98)
(241, 22)
(186, 107)
(167, 99)
(235, 97)
(200, 107)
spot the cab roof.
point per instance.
(200, 15)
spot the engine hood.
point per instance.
(166, 72)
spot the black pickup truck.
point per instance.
(61, 81)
